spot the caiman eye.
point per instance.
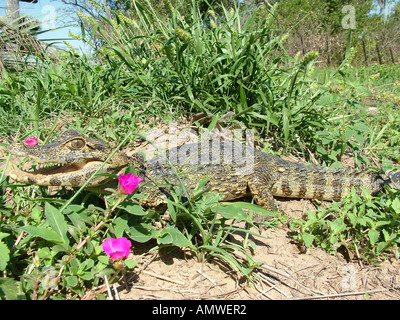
(76, 144)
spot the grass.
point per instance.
(149, 68)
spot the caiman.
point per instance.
(232, 169)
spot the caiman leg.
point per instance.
(260, 184)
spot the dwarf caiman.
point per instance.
(232, 169)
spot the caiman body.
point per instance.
(232, 169)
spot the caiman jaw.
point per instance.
(61, 175)
(61, 169)
(70, 160)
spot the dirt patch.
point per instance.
(285, 274)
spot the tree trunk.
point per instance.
(365, 52)
(328, 54)
(391, 54)
(12, 12)
(303, 49)
(379, 53)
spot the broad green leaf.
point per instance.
(142, 232)
(3, 235)
(104, 259)
(232, 212)
(36, 214)
(57, 221)
(44, 253)
(74, 265)
(132, 208)
(396, 205)
(130, 263)
(44, 233)
(171, 235)
(72, 281)
(381, 247)
(308, 239)
(250, 206)
(79, 220)
(373, 236)
(120, 226)
(349, 133)
(4, 256)
(359, 126)
(86, 276)
(9, 289)
(172, 211)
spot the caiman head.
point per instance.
(70, 160)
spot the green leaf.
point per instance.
(86, 276)
(232, 212)
(250, 206)
(200, 185)
(44, 233)
(142, 232)
(387, 165)
(36, 214)
(171, 235)
(217, 251)
(308, 239)
(349, 132)
(78, 215)
(9, 289)
(44, 253)
(134, 209)
(72, 281)
(78, 220)
(373, 236)
(130, 263)
(172, 211)
(359, 126)
(74, 265)
(4, 256)
(381, 247)
(120, 226)
(396, 205)
(57, 221)
(104, 259)
(3, 235)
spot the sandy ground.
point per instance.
(285, 274)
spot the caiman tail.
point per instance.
(294, 180)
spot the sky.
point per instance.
(50, 15)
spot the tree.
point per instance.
(396, 11)
(386, 8)
(12, 12)
(317, 25)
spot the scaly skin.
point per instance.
(232, 169)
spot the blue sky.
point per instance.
(45, 11)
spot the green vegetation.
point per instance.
(147, 66)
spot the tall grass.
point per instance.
(216, 64)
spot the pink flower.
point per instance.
(32, 141)
(128, 183)
(118, 248)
